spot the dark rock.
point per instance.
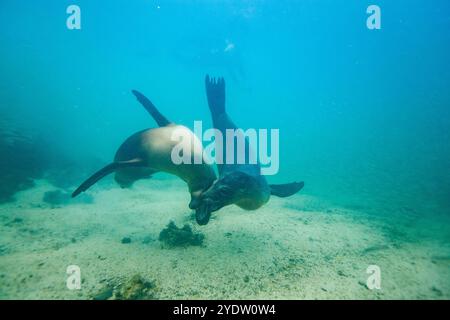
(104, 294)
(126, 240)
(437, 291)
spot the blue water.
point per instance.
(364, 115)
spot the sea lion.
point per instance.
(149, 151)
(240, 184)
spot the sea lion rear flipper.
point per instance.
(150, 107)
(215, 92)
(286, 190)
(110, 168)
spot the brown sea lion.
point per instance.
(239, 184)
(149, 151)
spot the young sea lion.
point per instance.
(149, 151)
(240, 184)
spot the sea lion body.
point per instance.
(153, 147)
(149, 151)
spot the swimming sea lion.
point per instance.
(149, 151)
(240, 184)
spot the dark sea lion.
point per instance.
(149, 151)
(240, 184)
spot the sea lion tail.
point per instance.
(286, 190)
(215, 92)
(150, 107)
(110, 168)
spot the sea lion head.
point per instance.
(224, 191)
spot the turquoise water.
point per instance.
(363, 114)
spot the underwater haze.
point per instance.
(363, 118)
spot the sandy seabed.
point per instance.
(296, 248)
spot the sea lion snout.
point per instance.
(203, 213)
(196, 199)
(194, 204)
(214, 198)
(202, 208)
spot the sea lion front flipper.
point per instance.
(286, 190)
(150, 107)
(110, 168)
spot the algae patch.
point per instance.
(173, 236)
(136, 288)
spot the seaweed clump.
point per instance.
(136, 288)
(180, 237)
